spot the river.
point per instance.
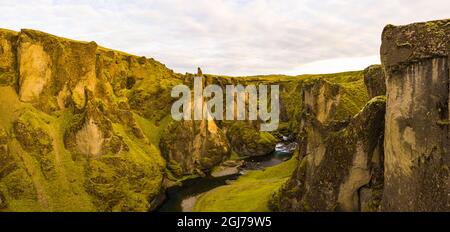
(183, 198)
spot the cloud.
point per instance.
(335, 65)
(240, 37)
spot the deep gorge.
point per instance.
(86, 128)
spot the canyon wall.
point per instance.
(80, 125)
(417, 146)
(194, 147)
(393, 162)
(374, 79)
(340, 161)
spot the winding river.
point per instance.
(183, 198)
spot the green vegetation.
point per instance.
(436, 27)
(443, 122)
(404, 44)
(250, 193)
(151, 130)
(89, 139)
(247, 140)
(45, 178)
(354, 97)
(44, 168)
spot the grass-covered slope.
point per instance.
(249, 193)
(80, 125)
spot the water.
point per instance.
(283, 152)
(182, 198)
(191, 188)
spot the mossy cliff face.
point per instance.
(337, 157)
(8, 61)
(247, 140)
(48, 65)
(80, 125)
(374, 78)
(194, 147)
(417, 156)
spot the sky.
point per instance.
(234, 37)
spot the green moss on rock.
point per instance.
(86, 88)
(8, 60)
(193, 146)
(341, 161)
(374, 80)
(420, 41)
(249, 141)
(30, 131)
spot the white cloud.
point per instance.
(240, 37)
(335, 65)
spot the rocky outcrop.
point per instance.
(33, 135)
(246, 140)
(375, 81)
(322, 98)
(91, 132)
(417, 138)
(48, 65)
(339, 161)
(8, 61)
(194, 147)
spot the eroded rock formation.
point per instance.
(374, 78)
(417, 140)
(192, 147)
(337, 158)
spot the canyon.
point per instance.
(86, 128)
(241, 103)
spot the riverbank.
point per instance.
(246, 176)
(251, 192)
